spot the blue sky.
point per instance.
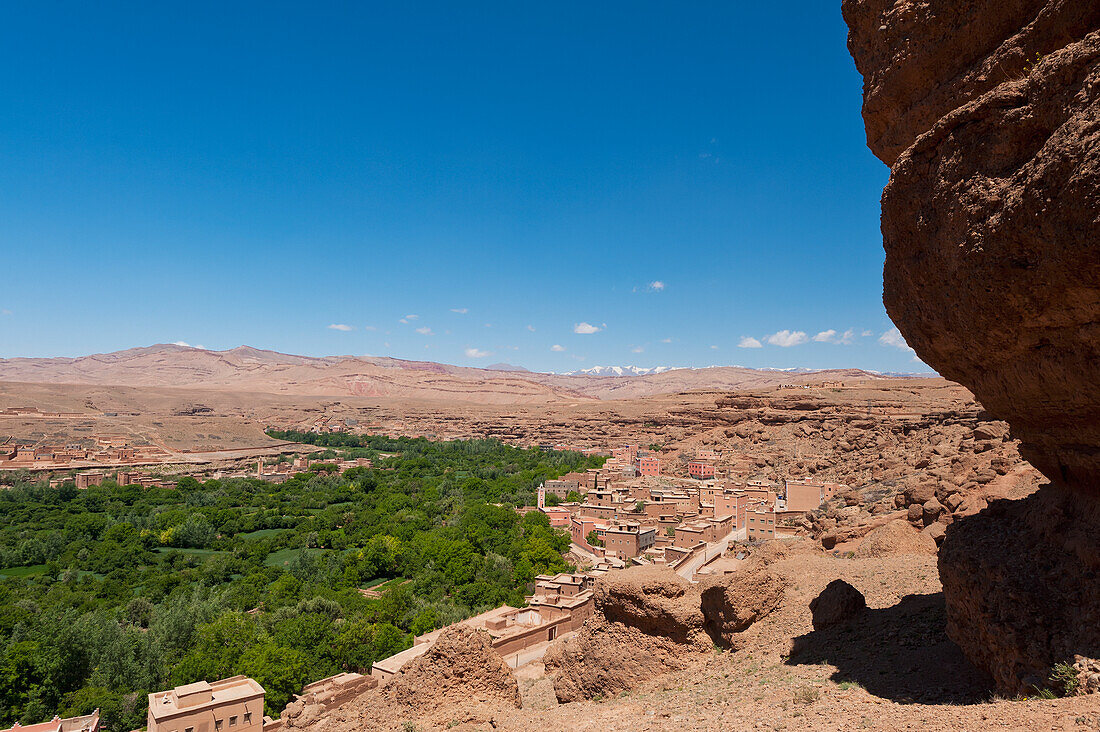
(555, 185)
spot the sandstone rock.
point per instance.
(605, 659)
(1022, 579)
(459, 679)
(931, 511)
(460, 667)
(987, 112)
(734, 602)
(922, 492)
(989, 218)
(895, 537)
(953, 501)
(996, 430)
(916, 513)
(839, 602)
(935, 532)
(647, 622)
(655, 600)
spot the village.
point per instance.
(639, 508)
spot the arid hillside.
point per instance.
(246, 369)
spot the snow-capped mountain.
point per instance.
(620, 371)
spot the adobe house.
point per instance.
(84, 723)
(650, 466)
(235, 704)
(807, 494)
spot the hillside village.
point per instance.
(638, 509)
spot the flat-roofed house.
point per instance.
(700, 470)
(235, 704)
(83, 723)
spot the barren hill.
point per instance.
(246, 369)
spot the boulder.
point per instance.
(935, 532)
(734, 602)
(931, 511)
(1022, 584)
(646, 622)
(916, 513)
(838, 603)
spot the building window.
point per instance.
(218, 723)
(189, 729)
(232, 722)
(248, 717)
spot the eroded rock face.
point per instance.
(991, 217)
(1022, 581)
(649, 621)
(732, 603)
(988, 112)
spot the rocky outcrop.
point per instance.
(732, 603)
(988, 112)
(649, 621)
(1024, 579)
(895, 537)
(459, 680)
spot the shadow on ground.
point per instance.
(900, 653)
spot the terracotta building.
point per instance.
(649, 466)
(807, 494)
(84, 723)
(761, 522)
(700, 470)
(235, 704)
(628, 539)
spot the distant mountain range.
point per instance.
(247, 369)
(620, 371)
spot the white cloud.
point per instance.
(185, 344)
(585, 328)
(867, 333)
(477, 353)
(666, 340)
(369, 327)
(341, 327)
(556, 348)
(531, 328)
(656, 285)
(749, 342)
(408, 319)
(460, 311)
(425, 330)
(787, 338)
(893, 337)
(714, 348)
(5, 311)
(637, 349)
(846, 338)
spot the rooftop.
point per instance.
(202, 693)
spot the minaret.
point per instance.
(542, 496)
